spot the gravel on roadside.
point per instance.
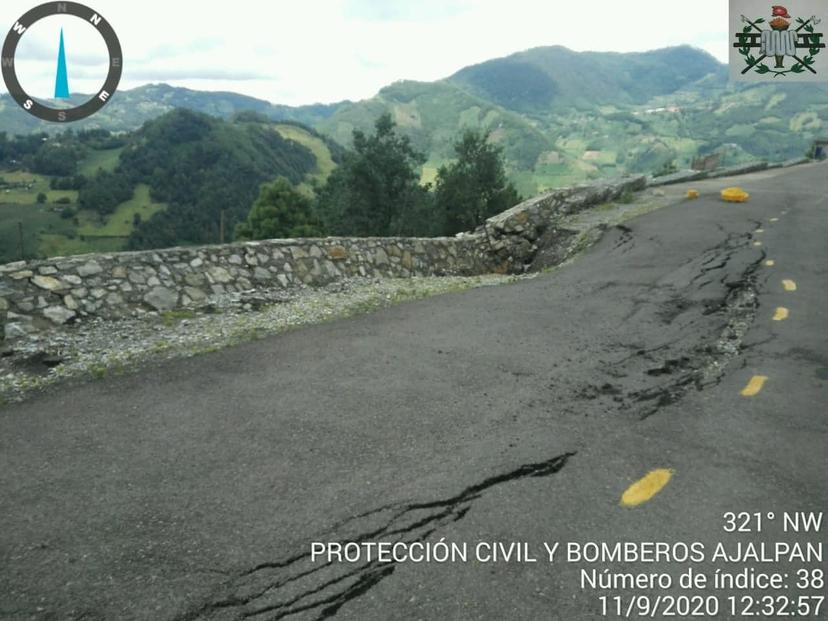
(96, 348)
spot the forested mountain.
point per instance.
(560, 117)
(551, 79)
(174, 181)
(200, 166)
(565, 117)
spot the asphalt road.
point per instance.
(520, 413)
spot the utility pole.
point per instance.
(221, 228)
(20, 239)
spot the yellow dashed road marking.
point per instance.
(774, 219)
(754, 386)
(781, 314)
(760, 230)
(642, 490)
(757, 243)
(770, 263)
(789, 285)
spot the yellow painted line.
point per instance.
(760, 230)
(757, 243)
(642, 490)
(789, 285)
(770, 263)
(774, 219)
(754, 386)
(781, 314)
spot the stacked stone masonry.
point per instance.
(35, 295)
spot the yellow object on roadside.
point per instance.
(735, 195)
(692, 193)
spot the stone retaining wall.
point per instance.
(35, 295)
(683, 176)
(514, 234)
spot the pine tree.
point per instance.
(475, 186)
(376, 191)
(280, 211)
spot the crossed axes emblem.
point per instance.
(742, 43)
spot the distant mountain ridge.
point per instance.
(540, 79)
(565, 117)
(534, 104)
(130, 109)
(549, 78)
(561, 116)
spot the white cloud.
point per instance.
(423, 10)
(328, 50)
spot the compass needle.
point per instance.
(62, 79)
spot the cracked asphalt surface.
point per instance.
(520, 413)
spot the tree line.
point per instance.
(376, 192)
(56, 156)
(208, 171)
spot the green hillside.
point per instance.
(55, 226)
(541, 152)
(166, 184)
(561, 117)
(432, 115)
(203, 167)
(547, 79)
(565, 117)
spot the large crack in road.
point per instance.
(195, 491)
(298, 586)
(718, 284)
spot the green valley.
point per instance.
(172, 182)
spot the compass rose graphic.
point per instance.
(66, 10)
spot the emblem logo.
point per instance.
(778, 45)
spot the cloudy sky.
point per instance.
(306, 51)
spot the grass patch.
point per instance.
(171, 317)
(106, 159)
(120, 223)
(605, 158)
(98, 371)
(34, 185)
(56, 245)
(429, 173)
(37, 220)
(46, 234)
(324, 162)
